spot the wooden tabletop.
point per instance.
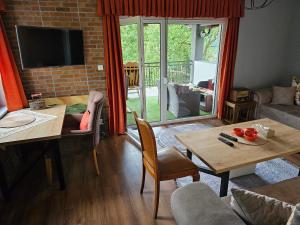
(222, 158)
(45, 131)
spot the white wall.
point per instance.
(293, 53)
(204, 71)
(263, 42)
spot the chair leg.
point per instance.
(196, 177)
(156, 197)
(143, 180)
(48, 165)
(94, 155)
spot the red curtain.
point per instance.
(228, 63)
(12, 85)
(172, 8)
(2, 5)
(115, 80)
(110, 10)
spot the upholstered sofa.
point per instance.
(286, 114)
(197, 204)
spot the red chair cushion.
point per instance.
(85, 121)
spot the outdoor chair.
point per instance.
(182, 101)
(132, 77)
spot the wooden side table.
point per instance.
(235, 112)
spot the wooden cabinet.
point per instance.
(235, 112)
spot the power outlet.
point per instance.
(100, 67)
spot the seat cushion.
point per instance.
(258, 209)
(85, 121)
(289, 115)
(197, 204)
(283, 95)
(172, 164)
(295, 217)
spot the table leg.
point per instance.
(58, 164)
(224, 183)
(299, 173)
(189, 154)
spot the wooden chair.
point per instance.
(132, 77)
(166, 164)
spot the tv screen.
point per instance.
(45, 47)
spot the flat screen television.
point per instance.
(46, 47)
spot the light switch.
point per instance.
(100, 67)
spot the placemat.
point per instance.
(40, 118)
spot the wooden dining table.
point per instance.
(47, 133)
(220, 158)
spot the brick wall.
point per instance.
(76, 14)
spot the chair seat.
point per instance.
(172, 164)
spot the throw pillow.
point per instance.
(84, 123)
(283, 95)
(295, 217)
(296, 83)
(256, 209)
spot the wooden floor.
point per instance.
(111, 199)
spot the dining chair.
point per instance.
(72, 121)
(72, 131)
(167, 164)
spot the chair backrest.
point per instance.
(132, 72)
(95, 106)
(148, 142)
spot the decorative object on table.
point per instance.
(37, 102)
(235, 112)
(240, 95)
(266, 132)
(247, 136)
(296, 83)
(27, 115)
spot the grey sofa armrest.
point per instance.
(263, 96)
(197, 204)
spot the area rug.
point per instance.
(268, 172)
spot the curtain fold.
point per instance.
(228, 63)
(115, 80)
(172, 8)
(2, 5)
(12, 85)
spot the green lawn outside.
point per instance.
(153, 110)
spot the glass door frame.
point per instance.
(141, 21)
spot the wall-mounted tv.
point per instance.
(45, 47)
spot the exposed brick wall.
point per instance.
(76, 14)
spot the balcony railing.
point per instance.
(178, 72)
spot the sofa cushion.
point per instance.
(289, 115)
(258, 209)
(283, 95)
(197, 204)
(295, 217)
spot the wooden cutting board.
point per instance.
(12, 121)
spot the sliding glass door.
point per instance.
(171, 68)
(192, 67)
